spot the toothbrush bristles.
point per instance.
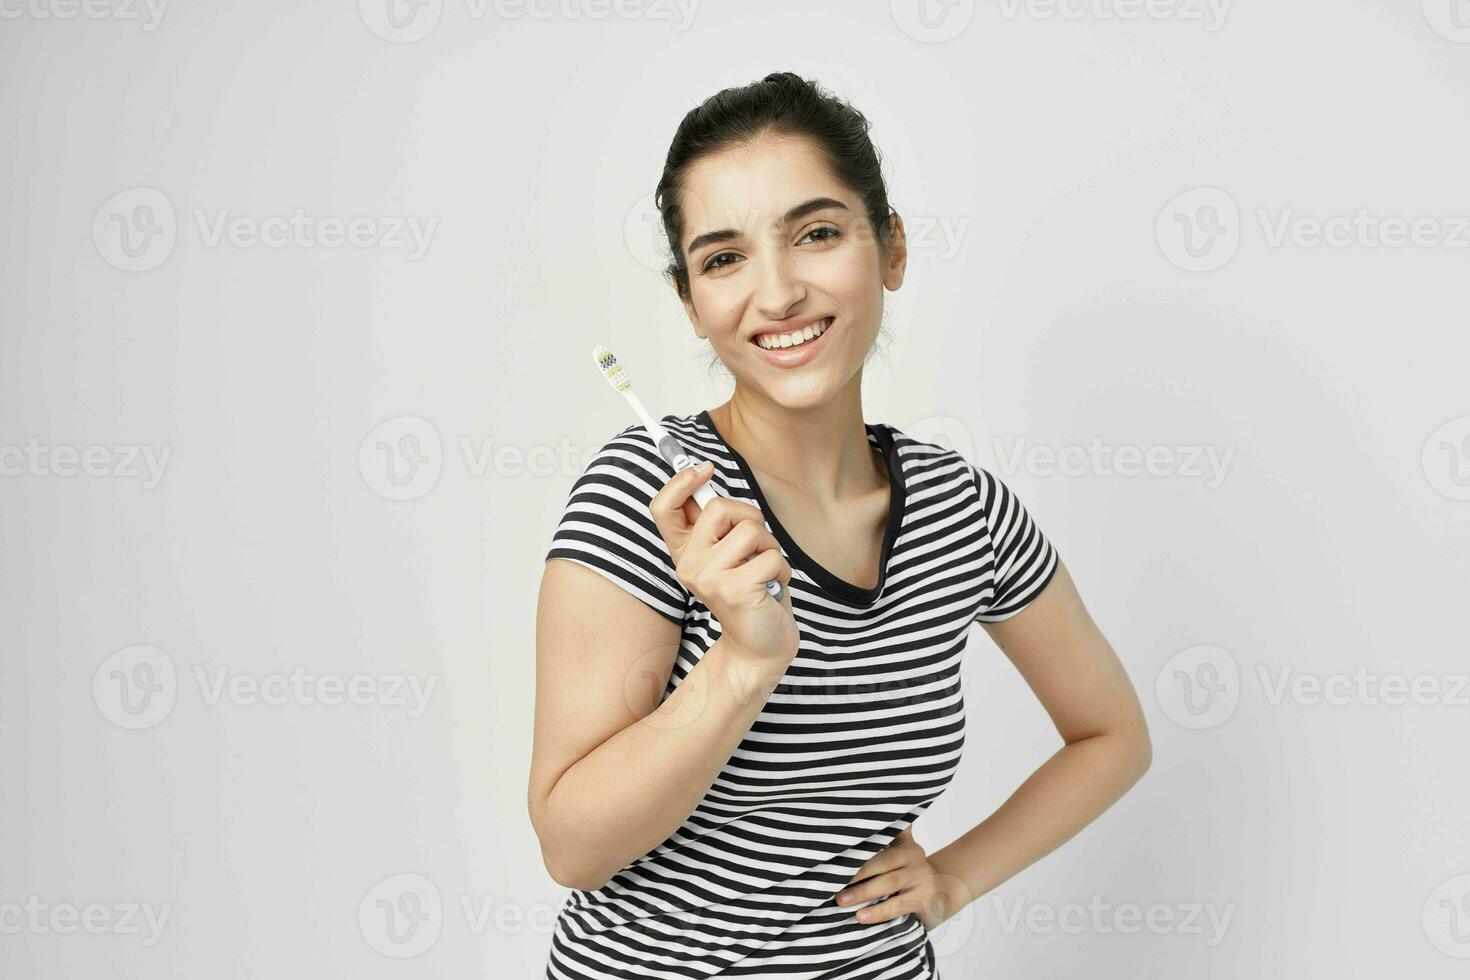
(608, 364)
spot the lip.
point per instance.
(789, 357)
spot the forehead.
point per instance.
(752, 184)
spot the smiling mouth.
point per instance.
(793, 340)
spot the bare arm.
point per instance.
(1072, 668)
(613, 772)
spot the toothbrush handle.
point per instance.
(670, 449)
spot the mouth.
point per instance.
(794, 348)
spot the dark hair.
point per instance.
(783, 104)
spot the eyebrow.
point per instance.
(795, 214)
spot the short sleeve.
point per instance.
(606, 526)
(1024, 560)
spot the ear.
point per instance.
(898, 253)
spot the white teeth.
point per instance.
(796, 337)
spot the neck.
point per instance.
(821, 452)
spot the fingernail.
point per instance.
(705, 466)
(844, 897)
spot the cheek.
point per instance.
(719, 314)
(850, 280)
(851, 285)
(711, 302)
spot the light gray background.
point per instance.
(367, 446)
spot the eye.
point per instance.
(714, 262)
(824, 233)
(835, 233)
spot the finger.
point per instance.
(894, 907)
(761, 569)
(719, 517)
(889, 883)
(781, 573)
(743, 583)
(773, 563)
(884, 860)
(866, 871)
(744, 541)
(670, 514)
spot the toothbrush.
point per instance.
(667, 445)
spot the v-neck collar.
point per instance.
(853, 594)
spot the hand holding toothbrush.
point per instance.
(725, 556)
(721, 549)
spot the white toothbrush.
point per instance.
(668, 446)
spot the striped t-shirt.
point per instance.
(863, 732)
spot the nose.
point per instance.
(779, 288)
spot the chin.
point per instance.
(799, 394)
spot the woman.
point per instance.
(727, 781)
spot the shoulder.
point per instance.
(927, 463)
(606, 525)
(930, 464)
